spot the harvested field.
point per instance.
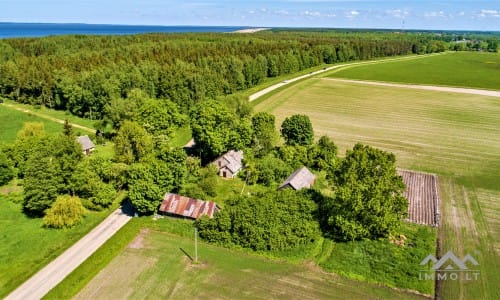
(423, 197)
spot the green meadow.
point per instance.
(154, 259)
(464, 69)
(25, 246)
(11, 121)
(456, 136)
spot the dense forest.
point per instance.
(84, 74)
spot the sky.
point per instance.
(423, 14)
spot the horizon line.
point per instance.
(251, 26)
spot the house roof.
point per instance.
(86, 142)
(233, 160)
(301, 178)
(187, 207)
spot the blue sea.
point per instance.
(12, 30)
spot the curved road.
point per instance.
(47, 278)
(415, 86)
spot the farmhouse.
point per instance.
(86, 143)
(230, 163)
(183, 206)
(302, 178)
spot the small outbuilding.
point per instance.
(230, 163)
(86, 143)
(182, 206)
(300, 179)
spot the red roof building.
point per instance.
(182, 206)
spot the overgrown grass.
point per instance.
(26, 247)
(454, 135)
(465, 69)
(380, 261)
(158, 264)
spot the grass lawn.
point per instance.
(454, 135)
(12, 121)
(465, 69)
(156, 264)
(58, 114)
(25, 247)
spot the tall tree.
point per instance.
(297, 130)
(368, 201)
(132, 143)
(42, 183)
(216, 129)
(265, 135)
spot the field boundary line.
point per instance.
(458, 90)
(271, 88)
(88, 129)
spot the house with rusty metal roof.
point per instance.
(182, 206)
(230, 163)
(300, 179)
(86, 143)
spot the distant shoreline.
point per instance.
(251, 30)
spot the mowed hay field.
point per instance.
(456, 136)
(156, 266)
(464, 69)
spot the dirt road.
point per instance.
(285, 82)
(47, 278)
(49, 117)
(423, 87)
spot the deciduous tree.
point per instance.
(368, 201)
(66, 212)
(297, 130)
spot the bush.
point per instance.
(275, 220)
(6, 171)
(66, 212)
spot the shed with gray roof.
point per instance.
(300, 179)
(230, 163)
(86, 143)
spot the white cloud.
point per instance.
(352, 14)
(435, 14)
(281, 12)
(397, 13)
(485, 13)
(489, 11)
(312, 13)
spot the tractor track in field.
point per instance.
(459, 90)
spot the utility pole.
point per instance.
(195, 245)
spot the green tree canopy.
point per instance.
(6, 171)
(42, 180)
(368, 201)
(265, 135)
(274, 220)
(216, 129)
(132, 143)
(297, 130)
(66, 212)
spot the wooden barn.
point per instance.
(86, 143)
(300, 179)
(182, 206)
